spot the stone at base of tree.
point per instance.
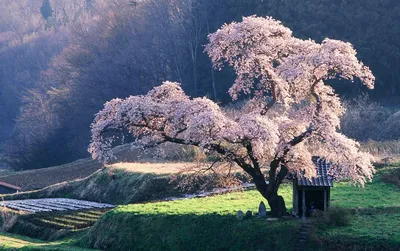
(249, 214)
(272, 219)
(262, 210)
(240, 215)
(278, 209)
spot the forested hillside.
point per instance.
(61, 60)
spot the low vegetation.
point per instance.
(36, 179)
(360, 219)
(392, 177)
(18, 242)
(110, 185)
(124, 183)
(336, 216)
(197, 224)
(55, 225)
(367, 218)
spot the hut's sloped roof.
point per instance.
(322, 179)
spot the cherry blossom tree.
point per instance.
(290, 116)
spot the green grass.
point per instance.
(374, 195)
(375, 218)
(226, 204)
(69, 220)
(55, 225)
(211, 223)
(18, 242)
(366, 232)
(370, 228)
(110, 185)
(197, 224)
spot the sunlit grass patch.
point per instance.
(374, 194)
(194, 224)
(227, 204)
(18, 242)
(375, 217)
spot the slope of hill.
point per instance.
(36, 179)
(44, 177)
(18, 242)
(115, 184)
(211, 223)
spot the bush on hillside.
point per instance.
(393, 177)
(7, 219)
(384, 150)
(135, 231)
(363, 119)
(335, 216)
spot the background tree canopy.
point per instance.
(61, 60)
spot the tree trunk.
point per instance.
(270, 191)
(275, 201)
(277, 204)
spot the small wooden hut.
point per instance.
(312, 194)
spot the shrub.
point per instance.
(387, 151)
(363, 119)
(393, 177)
(335, 216)
(7, 219)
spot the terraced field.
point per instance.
(53, 218)
(56, 225)
(68, 221)
(51, 204)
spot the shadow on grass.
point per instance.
(130, 231)
(57, 247)
(343, 242)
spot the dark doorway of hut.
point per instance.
(314, 200)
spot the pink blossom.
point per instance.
(291, 116)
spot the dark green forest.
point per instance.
(61, 60)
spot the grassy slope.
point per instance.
(18, 242)
(210, 223)
(120, 183)
(375, 219)
(197, 224)
(55, 225)
(111, 185)
(36, 179)
(40, 178)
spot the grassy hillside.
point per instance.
(36, 179)
(211, 223)
(18, 242)
(197, 224)
(110, 185)
(122, 183)
(40, 178)
(375, 216)
(55, 225)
